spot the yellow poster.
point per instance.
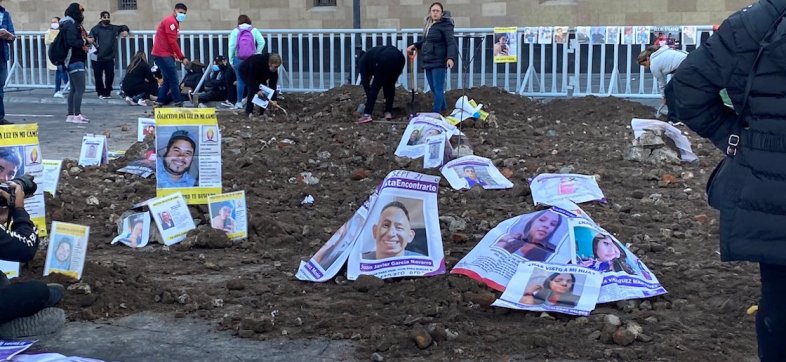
(506, 45)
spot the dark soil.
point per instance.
(250, 288)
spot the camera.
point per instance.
(25, 182)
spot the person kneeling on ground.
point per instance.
(218, 84)
(379, 68)
(139, 83)
(260, 69)
(25, 308)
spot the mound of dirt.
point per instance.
(249, 286)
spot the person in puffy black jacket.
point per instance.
(748, 186)
(380, 68)
(259, 69)
(218, 84)
(438, 48)
(139, 83)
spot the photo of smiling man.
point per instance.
(398, 231)
(175, 165)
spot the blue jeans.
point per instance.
(3, 76)
(171, 80)
(241, 85)
(436, 81)
(61, 76)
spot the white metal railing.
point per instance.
(320, 59)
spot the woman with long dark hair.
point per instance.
(139, 83)
(78, 42)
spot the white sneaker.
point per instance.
(202, 105)
(239, 105)
(81, 119)
(104, 97)
(130, 101)
(142, 102)
(58, 94)
(70, 119)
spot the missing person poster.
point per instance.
(67, 249)
(539, 236)
(401, 236)
(506, 44)
(689, 35)
(470, 171)
(188, 148)
(437, 148)
(11, 269)
(551, 188)
(568, 289)
(145, 127)
(545, 34)
(624, 275)
(330, 258)
(228, 213)
(665, 36)
(561, 34)
(414, 141)
(51, 176)
(172, 217)
(21, 155)
(95, 151)
(680, 140)
(134, 230)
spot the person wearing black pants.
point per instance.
(257, 70)
(380, 68)
(771, 316)
(105, 35)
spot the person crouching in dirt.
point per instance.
(380, 67)
(25, 308)
(661, 61)
(745, 56)
(257, 70)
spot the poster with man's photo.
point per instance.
(67, 249)
(582, 35)
(401, 236)
(414, 141)
(550, 188)
(542, 287)
(545, 34)
(172, 217)
(666, 36)
(642, 35)
(598, 35)
(613, 35)
(21, 155)
(689, 35)
(470, 171)
(94, 151)
(228, 213)
(134, 230)
(437, 148)
(539, 236)
(561, 34)
(188, 149)
(330, 258)
(506, 44)
(145, 127)
(10, 268)
(624, 275)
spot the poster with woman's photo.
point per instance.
(228, 213)
(642, 35)
(414, 141)
(67, 249)
(689, 35)
(613, 35)
(542, 287)
(539, 236)
(561, 34)
(188, 149)
(628, 35)
(401, 236)
(506, 45)
(470, 171)
(330, 258)
(134, 230)
(145, 127)
(21, 155)
(172, 217)
(624, 275)
(550, 188)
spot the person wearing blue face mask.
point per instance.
(166, 51)
(219, 85)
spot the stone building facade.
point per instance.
(338, 14)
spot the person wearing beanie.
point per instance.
(173, 168)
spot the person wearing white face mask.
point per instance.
(166, 51)
(61, 76)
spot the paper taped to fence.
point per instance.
(401, 236)
(329, 259)
(470, 171)
(540, 287)
(506, 44)
(683, 144)
(551, 188)
(414, 144)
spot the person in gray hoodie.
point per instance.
(439, 52)
(661, 61)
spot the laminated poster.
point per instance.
(550, 188)
(95, 151)
(172, 217)
(134, 231)
(506, 44)
(67, 249)
(145, 127)
(470, 171)
(20, 154)
(228, 213)
(414, 141)
(51, 176)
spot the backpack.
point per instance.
(58, 50)
(246, 44)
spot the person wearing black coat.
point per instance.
(748, 186)
(78, 41)
(438, 49)
(380, 68)
(218, 84)
(257, 70)
(105, 35)
(139, 83)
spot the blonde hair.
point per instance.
(274, 59)
(647, 53)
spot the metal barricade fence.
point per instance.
(315, 60)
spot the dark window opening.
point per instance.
(126, 5)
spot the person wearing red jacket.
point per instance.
(166, 51)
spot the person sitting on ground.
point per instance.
(380, 68)
(139, 84)
(194, 72)
(25, 306)
(219, 85)
(260, 69)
